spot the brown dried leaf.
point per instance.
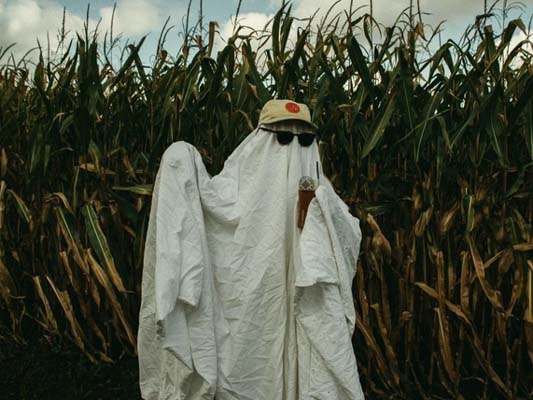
(363, 301)
(3, 163)
(516, 292)
(444, 329)
(380, 245)
(52, 323)
(423, 221)
(63, 256)
(101, 246)
(494, 296)
(7, 290)
(389, 351)
(372, 345)
(506, 261)
(103, 279)
(528, 329)
(523, 247)
(64, 300)
(448, 218)
(90, 167)
(71, 237)
(452, 307)
(62, 197)
(2, 202)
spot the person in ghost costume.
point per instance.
(238, 302)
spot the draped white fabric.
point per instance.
(237, 302)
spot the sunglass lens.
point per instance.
(306, 139)
(284, 137)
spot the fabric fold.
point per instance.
(236, 302)
(324, 307)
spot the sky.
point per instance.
(25, 21)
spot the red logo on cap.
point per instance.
(292, 107)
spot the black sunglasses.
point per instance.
(285, 137)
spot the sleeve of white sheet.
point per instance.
(178, 267)
(318, 258)
(330, 242)
(346, 231)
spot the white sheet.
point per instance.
(236, 301)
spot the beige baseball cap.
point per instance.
(282, 109)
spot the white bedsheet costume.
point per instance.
(237, 302)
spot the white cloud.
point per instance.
(134, 17)
(456, 13)
(302, 10)
(249, 22)
(23, 21)
(386, 11)
(31, 11)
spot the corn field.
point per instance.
(432, 151)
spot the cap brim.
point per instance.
(272, 120)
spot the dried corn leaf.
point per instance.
(49, 315)
(516, 293)
(102, 278)
(445, 346)
(90, 167)
(7, 285)
(528, 314)
(525, 228)
(380, 244)
(7, 290)
(87, 314)
(363, 301)
(386, 305)
(95, 294)
(423, 221)
(372, 345)
(452, 307)
(100, 246)
(444, 329)
(389, 351)
(448, 218)
(491, 260)
(523, 247)
(487, 365)
(506, 260)
(494, 296)
(468, 209)
(64, 300)
(3, 163)
(22, 208)
(105, 358)
(63, 256)
(70, 235)
(61, 196)
(465, 283)
(2, 202)
(528, 329)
